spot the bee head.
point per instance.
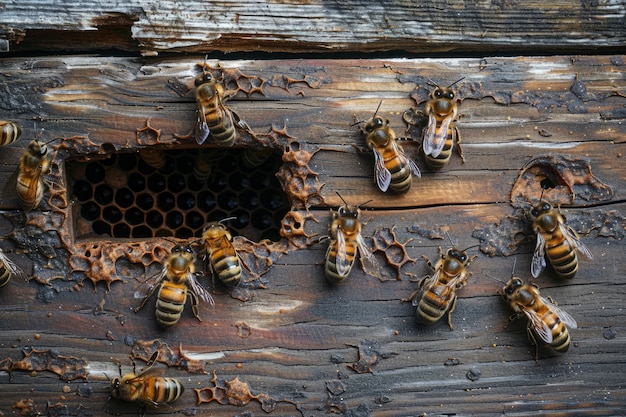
(513, 284)
(204, 78)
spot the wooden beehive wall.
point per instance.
(543, 95)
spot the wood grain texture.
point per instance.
(298, 337)
(315, 26)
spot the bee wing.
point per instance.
(382, 174)
(150, 371)
(429, 135)
(538, 325)
(12, 267)
(440, 138)
(539, 260)
(202, 128)
(148, 286)
(425, 285)
(406, 160)
(574, 241)
(342, 261)
(368, 260)
(199, 290)
(563, 315)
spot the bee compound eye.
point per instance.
(451, 95)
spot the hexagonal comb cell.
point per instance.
(158, 192)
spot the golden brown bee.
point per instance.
(206, 160)
(9, 132)
(346, 241)
(9, 269)
(253, 158)
(223, 258)
(214, 118)
(29, 176)
(149, 388)
(436, 294)
(544, 318)
(393, 169)
(439, 135)
(175, 282)
(154, 157)
(556, 241)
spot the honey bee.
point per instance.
(213, 117)
(154, 157)
(28, 178)
(9, 269)
(9, 132)
(393, 169)
(436, 294)
(545, 319)
(175, 282)
(439, 135)
(346, 241)
(206, 160)
(223, 258)
(556, 241)
(253, 158)
(149, 388)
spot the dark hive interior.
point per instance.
(158, 192)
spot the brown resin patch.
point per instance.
(298, 180)
(570, 179)
(68, 368)
(385, 241)
(235, 392)
(151, 350)
(369, 355)
(292, 228)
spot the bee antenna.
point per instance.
(52, 140)
(460, 79)
(378, 108)
(344, 201)
(362, 204)
(471, 247)
(513, 269)
(356, 123)
(497, 279)
(449, 238)
(228, 219)
(431, 83)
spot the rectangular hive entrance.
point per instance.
(158, 193)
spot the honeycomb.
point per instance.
(159, 193)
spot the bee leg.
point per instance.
(450, 310)
(429, 263)
(194, 305)
(513, 318)
(533, 340)
(456, 137)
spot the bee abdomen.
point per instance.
(443, 158)
(170, 304)
(332, 274)
(220, 125)
(560, 342)
(401, 179)
(5, 275)
(431, 308)
(563, 259)
(228, 269)
(165, 390)
(9, 132)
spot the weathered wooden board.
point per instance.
(314, 26)
(296, 338)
